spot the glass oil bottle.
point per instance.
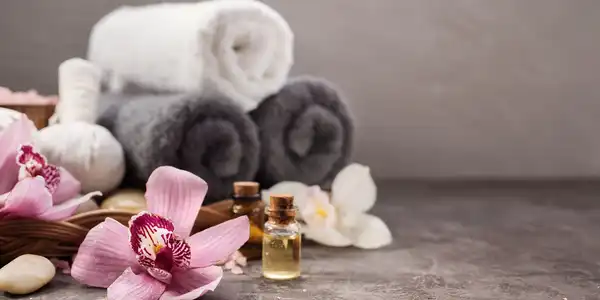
(247, 201)
(281, 240)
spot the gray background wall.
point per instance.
(439, 88)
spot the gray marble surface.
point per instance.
(452, 241)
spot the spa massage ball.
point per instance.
(88, 151)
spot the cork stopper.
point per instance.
(281, 209)
(245, 188)
(281, 202)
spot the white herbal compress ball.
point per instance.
(88, 151)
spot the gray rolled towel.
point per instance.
(306, 133)
(205, 135)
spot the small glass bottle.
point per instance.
(247, 202)
(281, 240)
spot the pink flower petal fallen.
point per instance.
(103, 255)
(67, 208)
(217, 243)
(62, 265)
(193, 283)
(131, 286)
(17, 133)
(29, 198)
(177, 195)
(235, 263)
(233, 267)
(68, 188)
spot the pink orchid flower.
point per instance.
(156, 258)
(20, 132)
(17, 133)
(40, 190)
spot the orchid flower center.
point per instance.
(33, 164)
(321, 212)
(158, 249)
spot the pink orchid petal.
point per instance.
(240, 259)
(3, 199)
(236, 270)
(135, 286)
(66, 209)
(51, 174)
(68, 188)
(103, 255)
(17, 133)
(217, 243)
(193, 283)
(29, 198)
(177, 195)
(62, 265)
(229, 265)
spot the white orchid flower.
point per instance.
(339, 219)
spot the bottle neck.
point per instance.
(281, 216)
(246, 204)
(241, 199)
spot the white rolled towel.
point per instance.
(244, 48)
(87, 150)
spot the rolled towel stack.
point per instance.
(242, 47)
(306, 133)
(211, 95)
(208, 136)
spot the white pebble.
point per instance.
(26, 274)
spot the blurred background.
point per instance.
(452, 89)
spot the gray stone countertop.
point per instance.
(452, 241)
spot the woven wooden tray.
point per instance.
(62, 239)
(38, 114)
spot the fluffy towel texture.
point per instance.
(306, 134)
(242, 47)
(209, 137)
(86, 150)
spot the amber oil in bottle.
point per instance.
(281, 240)
(247, 201)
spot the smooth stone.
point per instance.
(90, 205)
(127, 199)
(26, 274)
